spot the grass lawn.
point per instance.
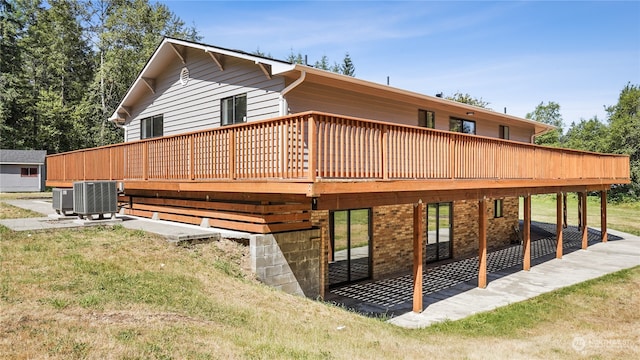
(623, 217)
(109, 292)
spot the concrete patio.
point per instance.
(450, 290)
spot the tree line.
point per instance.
(66, 64)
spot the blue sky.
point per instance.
(511, 54)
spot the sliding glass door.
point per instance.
(350, 246)
(439, 230)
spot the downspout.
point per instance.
(533, 137)
(285, 91)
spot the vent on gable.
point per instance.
(184, 76)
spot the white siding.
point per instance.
(197, 105)
(11, 179)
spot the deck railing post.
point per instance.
(145, 160)
(192, 162)
(313, 146)
(385, 152)
(232, 154)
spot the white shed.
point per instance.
(22, 170)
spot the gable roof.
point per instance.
(26, 157)
(167, 50)
(170, 47)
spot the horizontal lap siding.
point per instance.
(313, 97)
(197, 105)
(337, 101)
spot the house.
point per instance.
(22, 170)
(337, 179)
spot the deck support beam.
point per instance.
(482, 243)
(418, 237)
(526, 242)
(603, 215)
(559, 225)
(583, 214)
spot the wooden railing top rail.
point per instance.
(319, 115)
(310, 145)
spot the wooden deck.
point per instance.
(325, 161)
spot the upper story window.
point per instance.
(29, 172)
(462, 126)
(504, 132)
(427, 119)
(234, 109)
(151, 127)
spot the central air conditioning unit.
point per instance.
(95, 198)
(62, 200)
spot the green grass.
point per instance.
(108, 292)
(623, 217)
(515, 319)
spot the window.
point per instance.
(151, 127)
(427, 119)
(497, 208)
(504, 132)
(29, 172)
(463, 126)
(234, 109)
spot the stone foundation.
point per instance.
(288, 261)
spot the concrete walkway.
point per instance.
(578, 266)
(172, 231)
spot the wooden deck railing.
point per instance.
(333, 147)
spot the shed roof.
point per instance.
(30, 157)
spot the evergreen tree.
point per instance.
(295, 58)
(13, 83)
(323, 63)
(347, 67)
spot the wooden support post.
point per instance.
(526, 242)
(559, 226)
(482, 243)
(418, 235)
(603, 215)
(585, 240)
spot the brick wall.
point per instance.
(392, 238)
(465, 226)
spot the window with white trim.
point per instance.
(151, 127)
(29, 172)
(233, 110)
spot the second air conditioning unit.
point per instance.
(95, 198)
